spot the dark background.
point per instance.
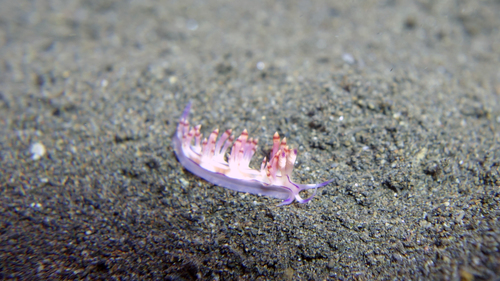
(397, 100)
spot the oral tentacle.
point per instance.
(300, 200)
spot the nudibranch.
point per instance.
(206, 159)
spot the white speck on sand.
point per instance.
(38, 150)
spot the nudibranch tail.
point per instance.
(206, 159)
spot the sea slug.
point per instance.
(206, 159)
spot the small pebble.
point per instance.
(348, 58)
(38, 150)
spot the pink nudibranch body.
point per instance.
(206, 160)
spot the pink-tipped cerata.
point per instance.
(205, 158)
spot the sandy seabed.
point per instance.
(396, 100)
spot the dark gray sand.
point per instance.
(396, 100)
